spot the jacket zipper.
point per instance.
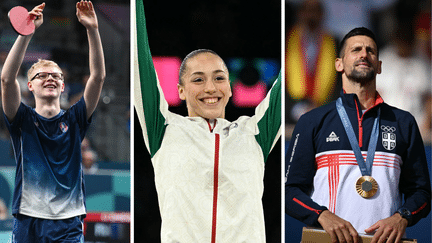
(215, 187)
(215, 180)
(360, 119)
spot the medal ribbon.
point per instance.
(365, 168)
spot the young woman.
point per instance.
(208, 171)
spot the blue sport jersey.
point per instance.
(49, 181)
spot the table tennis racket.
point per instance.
(21, 21)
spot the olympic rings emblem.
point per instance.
(388, 129)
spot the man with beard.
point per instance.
(350, 161)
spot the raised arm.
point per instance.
(268, 115)
(10, 90)
(87, 17)
(150, 104)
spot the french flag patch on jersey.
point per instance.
(63, 127)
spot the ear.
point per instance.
(230, 90)
(379, 67)
(62, 87)
(339, 65)
(30, 85)
(181, 92)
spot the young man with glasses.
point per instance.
(48, 202)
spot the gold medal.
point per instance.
(366, 186)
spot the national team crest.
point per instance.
(388, 137)
(63, 127)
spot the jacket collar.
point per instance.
(351, 101)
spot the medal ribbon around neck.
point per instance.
(365, 168)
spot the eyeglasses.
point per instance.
(45, 75)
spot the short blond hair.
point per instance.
(41, 63)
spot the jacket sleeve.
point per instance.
(268, 116)
(150, 104)
(300, 173)
(415, 181)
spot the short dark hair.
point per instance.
(193, 54)
(355, 32)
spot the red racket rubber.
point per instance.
(21, 21)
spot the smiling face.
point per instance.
(359, 61)
(45, 87)
(205, 86)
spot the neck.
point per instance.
(366, 93)
(47, 109)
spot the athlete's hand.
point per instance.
(37, 14)
(86, 14)
(388, 230)
(339, 229)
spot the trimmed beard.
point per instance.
(363, 77)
